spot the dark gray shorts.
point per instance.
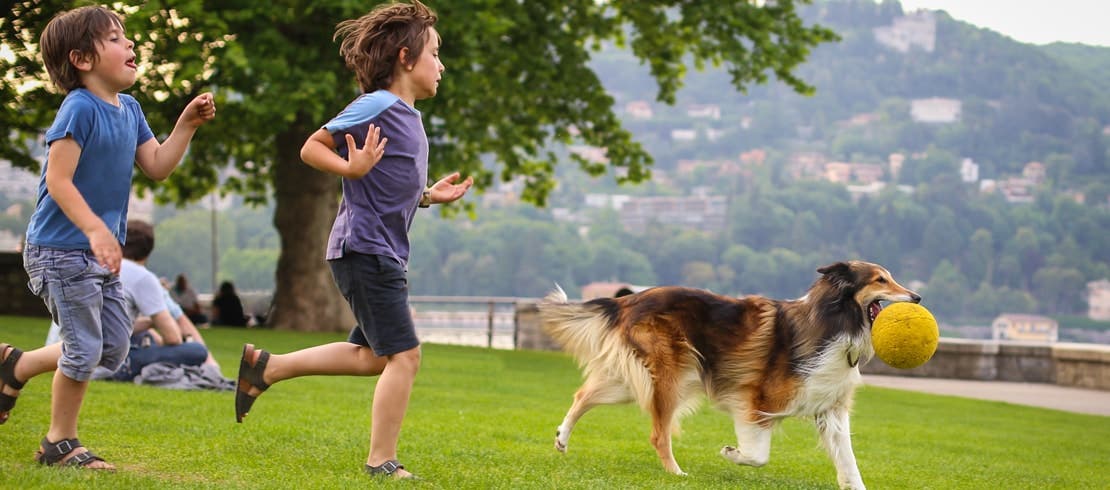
(378, 292)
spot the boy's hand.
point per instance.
(446, 190)
(199, 111)
(106, 248)
(361, 160)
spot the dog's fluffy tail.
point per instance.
(590, 332)
(583, 329)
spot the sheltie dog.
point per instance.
(758, 359)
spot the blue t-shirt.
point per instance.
(377, 210)
(108, 137)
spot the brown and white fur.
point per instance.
(756, 358)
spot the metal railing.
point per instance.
(465, 316)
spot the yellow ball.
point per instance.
(905, 335)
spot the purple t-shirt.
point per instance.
(377, 210)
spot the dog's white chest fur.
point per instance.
(832, 377)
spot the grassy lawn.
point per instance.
(486, 419)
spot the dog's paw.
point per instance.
(559, 440)
(734, 455)
(675, 470)
(730, 453)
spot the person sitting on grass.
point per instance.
(186, 297)
(146, 302)
(227, 308)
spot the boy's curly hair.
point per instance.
(371, 43)
(78, 30)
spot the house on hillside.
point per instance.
(1035, 172)
(913, 30)
(1030, 328)
(1017, 190)
(704, 111)
(704, 213)
(1098, 300)
(935, 110)
(969, 171)
(639, 109)
(596, 290)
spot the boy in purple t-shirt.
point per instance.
(73, 249)
(394, 51)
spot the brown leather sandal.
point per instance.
(8, 380)
(389, 468)
(52, 453)
(250, 375)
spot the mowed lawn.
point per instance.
(484, 418)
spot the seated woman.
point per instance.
(185, 296)
(227, 308)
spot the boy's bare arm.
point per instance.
(157, 160)
(60, 167)
(165, 325)
(319, 153)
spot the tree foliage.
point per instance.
(517, 83)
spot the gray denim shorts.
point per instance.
(87, 301)
(378, 292)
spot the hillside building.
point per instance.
(1098, 300)
(914, 30)
(935, 110)
(1030, 328)
(705, 213)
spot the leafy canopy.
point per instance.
(518, 80)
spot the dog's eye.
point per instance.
(881, 280)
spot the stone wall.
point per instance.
(15, 297)
(1064, 364)
(529, 335)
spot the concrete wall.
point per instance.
(1064, 364)
(15, 297)
(529, 335)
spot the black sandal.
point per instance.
(249, 376)
(388, 468)
(7, 380)
(54, 452)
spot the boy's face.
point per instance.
(115, 68)
(427, 68)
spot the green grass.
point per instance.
(486, 419)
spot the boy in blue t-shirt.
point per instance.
(394, 52)
(73, 248)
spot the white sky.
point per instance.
(1031, 21)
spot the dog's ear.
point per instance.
(839, 274)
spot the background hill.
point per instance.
(1020, 102)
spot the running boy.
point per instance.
(394, 52)
(73, 249)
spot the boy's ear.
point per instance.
(79, 60)
(402, 59)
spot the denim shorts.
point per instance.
(87, 302)
(378, 292)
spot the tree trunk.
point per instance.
(306, 200)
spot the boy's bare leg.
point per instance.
(65, 406)
(391, 400)
(391, 395)
(336, 359)
(38, 361)
(34, 363)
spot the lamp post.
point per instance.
(215, 249)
